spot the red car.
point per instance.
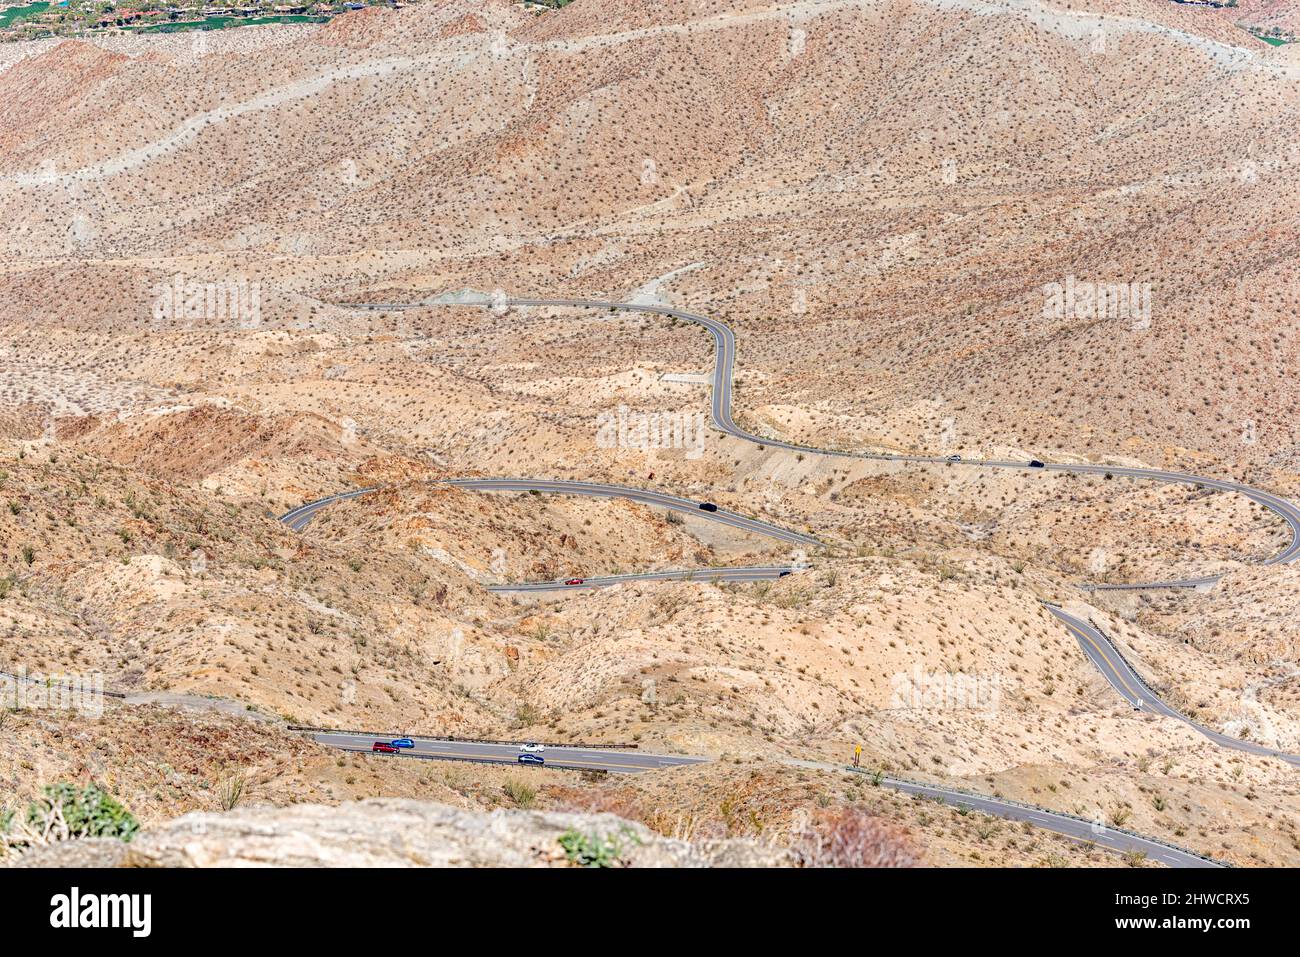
(383, 747)
(575, 581)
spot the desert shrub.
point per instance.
(65, 811)
(851, 837)
(230, 791)
(523, 794)
(526, 714)
(593, 850)
(86, 812)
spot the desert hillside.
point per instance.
(905, 210)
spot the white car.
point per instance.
(531, 748)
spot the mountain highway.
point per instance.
(1095, 832)
(1095, 645)
(1103, 653)
(298, 518)
(644, 496)
(722, 382)
(724, 341)
(569, 759)
(635, 762)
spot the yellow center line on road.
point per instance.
(1118, 674)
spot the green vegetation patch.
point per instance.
(593, 850)
(86, 811)
(14, 14)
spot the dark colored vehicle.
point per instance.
(783, 574)
(708, 506)
(531, 759)
(383, 747)
(953, 458)
(1035, 464)
(575, 581)
(403, 743)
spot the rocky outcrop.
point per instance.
(400, 833)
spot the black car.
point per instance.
(530, 759)
(1035, 464)
(708, 507)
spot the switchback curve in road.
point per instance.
(1089, 637)
(1116, 670)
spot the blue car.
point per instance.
(403, 743)
(531, 759)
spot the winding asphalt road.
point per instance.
(569, 759)
(1099, 649)
(724, 341)
(1096, 646)
(636, 762)
(298, 518)
(723, 377)
(1103, 653)
(644, 496)
(1095, 832)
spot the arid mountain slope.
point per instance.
(904, 209)
(897, 181)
